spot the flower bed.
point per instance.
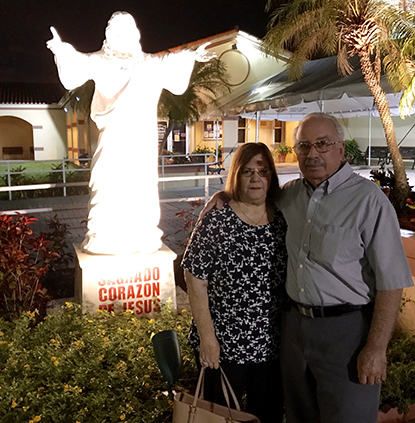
(87, 367)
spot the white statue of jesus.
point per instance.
(124, 208)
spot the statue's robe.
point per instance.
(124, 209)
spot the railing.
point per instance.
(207, 179)
(8, 175)
(188, 161)
(205, 197)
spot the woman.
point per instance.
(235, 267)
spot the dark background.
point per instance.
(24, 27)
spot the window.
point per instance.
(212, 129)
(179, 139)
(279, 131)
(162, 127)
(12, 150)
(241, 130)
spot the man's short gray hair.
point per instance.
(320, 115)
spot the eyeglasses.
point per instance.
(247, 172)
(322, 146)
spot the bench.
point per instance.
(12, 153)
(214, 168)
(380, 153)
(383, 156)
(408, 153)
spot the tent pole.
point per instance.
(321, 102)
(370, 136)
(258, 120)
(217, 140)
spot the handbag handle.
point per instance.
(225, 387)
(226, 384)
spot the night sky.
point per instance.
(24, 27)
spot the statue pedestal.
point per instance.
(136, 282)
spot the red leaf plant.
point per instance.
(24, 260)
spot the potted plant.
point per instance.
(351, 150)
(281, 150)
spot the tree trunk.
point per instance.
(402, 188)
(163, 144)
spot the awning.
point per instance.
(321, 88)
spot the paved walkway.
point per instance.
(74, 210)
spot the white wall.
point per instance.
(358, 128)
(49, 128)
(248, 50)
(230, 139)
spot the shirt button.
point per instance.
(315, 200)
(309, 221)
(305, 244)
(302, 290)
(300, 266)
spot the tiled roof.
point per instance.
(30, 93)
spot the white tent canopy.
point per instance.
(342, 108)
(321, 88)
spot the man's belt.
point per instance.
(330, 311)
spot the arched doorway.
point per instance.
(16, 139)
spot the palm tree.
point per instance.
(80, 98)
(366, 28)
(207, 82)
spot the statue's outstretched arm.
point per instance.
(203, 55)
(72, 66)
(178, 67)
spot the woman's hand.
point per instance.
(209, 349)
(216, 201)
(209, 352)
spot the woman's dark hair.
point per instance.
(240, 159)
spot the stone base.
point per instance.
(136, 282)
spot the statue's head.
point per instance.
(122, 35)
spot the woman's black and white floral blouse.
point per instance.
(245, 267)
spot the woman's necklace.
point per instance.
(255, 223)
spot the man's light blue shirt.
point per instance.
(343, 241)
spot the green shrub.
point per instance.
(176, 158)
(283, 149)
(206, 150)
(399, 389)
(76, 367)
(19, 178)
(351, 150)
(53, 176)
(56, 177)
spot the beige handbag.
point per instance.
(194, 409)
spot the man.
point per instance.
(346, 271)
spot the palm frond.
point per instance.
(80, 98)
(343, 65)
(305, 28)
(407, 100)
(208, 81)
